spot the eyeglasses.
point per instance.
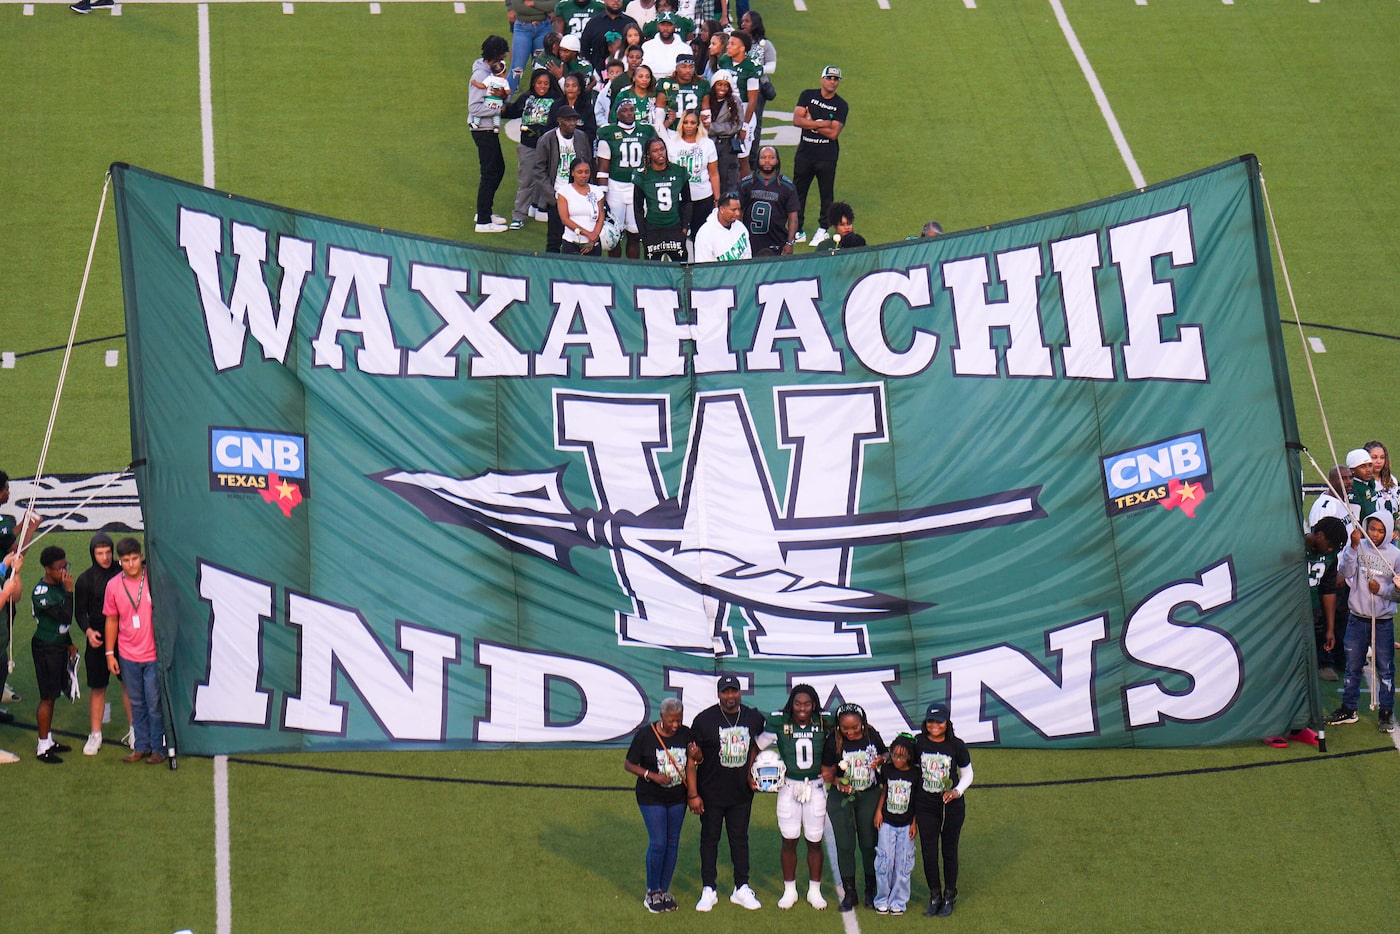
(830, 78)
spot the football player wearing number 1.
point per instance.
(770, 206)
(801, 735)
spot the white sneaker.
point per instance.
(9, 696)
(94, 743)
(818, 237)
(498, 219)
(789, 899)
(129, 740)
(491, 228)
(708, 899)
(743, 897)
(7, 757)
(814, 897)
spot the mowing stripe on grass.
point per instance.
(1104, 108)
(986, 786)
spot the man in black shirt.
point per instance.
(821, 115)
(770, 206)
(723, 795)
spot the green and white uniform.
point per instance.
(576, 17)
(625, 148)
(801, 808)
(683, 97)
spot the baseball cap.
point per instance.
(831, 71)
(685, 58)
(1358, 457)
(666, 17)
(571, 43)
(566, 113)
(726, 683)
(937, 713)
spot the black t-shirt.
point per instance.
(722, 777)
(646, 751)
(767, 204)
(859, 755)
(939, 766)
(813, 144)
(900, 787)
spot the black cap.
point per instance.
(566, 113)
(937, 713)
(727, 682)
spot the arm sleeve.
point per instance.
(765, 739)
(964, 779)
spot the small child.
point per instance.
(1372, 567)
(894, 821)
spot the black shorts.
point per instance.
(664, 244)
(50, 668)
(95, 660)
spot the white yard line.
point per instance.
(1317, 345)
(206, 98)
(223, 919)
(1104, 108)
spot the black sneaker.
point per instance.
(1386, 722)
(1341, 715)
(61, 747)
(99, 3)
(935, 905)
(49, 756)
(653, 902)
(82, 6)
(947, 907)
(667, 903)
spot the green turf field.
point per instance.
(971, 115)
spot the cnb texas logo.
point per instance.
(271, 464)
(1174, 472)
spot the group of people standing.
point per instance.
(663, 108)
(837, 776)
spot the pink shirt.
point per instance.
(136, 637)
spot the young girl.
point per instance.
(945, 774)
(894, 821)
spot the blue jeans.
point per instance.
(142, 684)
(894, 865)
(526, 40)
(663, 842)
(1357, 640)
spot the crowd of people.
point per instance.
(111, 604)
(831, 772)
(1354, 563)
(678, 72)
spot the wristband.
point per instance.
(111, 654)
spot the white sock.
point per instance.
(107, 712)
(814, 886)
(790, 888)
(45, 744)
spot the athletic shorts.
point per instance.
(664, 244)
(95, 660)
(796, 818)
(620, 205)
(50, 668)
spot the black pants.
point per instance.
(728, 166)
(804, 169)
(939, 828)
(493, 169)
(734, 821)
(554, 228)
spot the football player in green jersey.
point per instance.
(801, 735)
(621, 153)
(683, 91)
(661, 204)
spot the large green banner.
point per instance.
(409, 493)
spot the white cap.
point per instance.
(571, 43)
(1358, 457)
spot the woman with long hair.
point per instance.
(642, 92)
(660, 757)
(726, 120)
(689, 146)
(576, 96)
(536, 110)
(939, 809)
(582, 210)
(1387, 489)
(854, 756)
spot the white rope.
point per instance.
(54, 524)
(29, 513)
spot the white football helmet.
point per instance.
(769, 771)
(611, 234)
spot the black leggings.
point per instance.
(939, 828)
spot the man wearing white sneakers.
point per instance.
(800, 734)
(723, 794)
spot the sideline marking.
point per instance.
(970, 4)
(883, 4)
(799, 6)
(1104, 108)
(223, 899)
(1317, 346)
(206, 98)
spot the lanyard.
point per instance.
(140, 592)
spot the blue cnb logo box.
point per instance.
(1140, 476)
(240, 459)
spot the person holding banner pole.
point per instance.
(1372, 565)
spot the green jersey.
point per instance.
(1363, 496)
(640, 101)
(800, 746)
(53, 611)
(625, 148)
(683, 97)
(744, 71)
(576, 16)
(664, 190)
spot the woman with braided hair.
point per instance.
(854, 757)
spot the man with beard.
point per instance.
(770, 206)
(595, 35)
(661, 203)
(621, 155)
(723, 793)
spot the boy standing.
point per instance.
(131, 645)
(89, 595)
(800, 733)
(51, 645)
(1372, 568)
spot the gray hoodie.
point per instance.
(1363, 563)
